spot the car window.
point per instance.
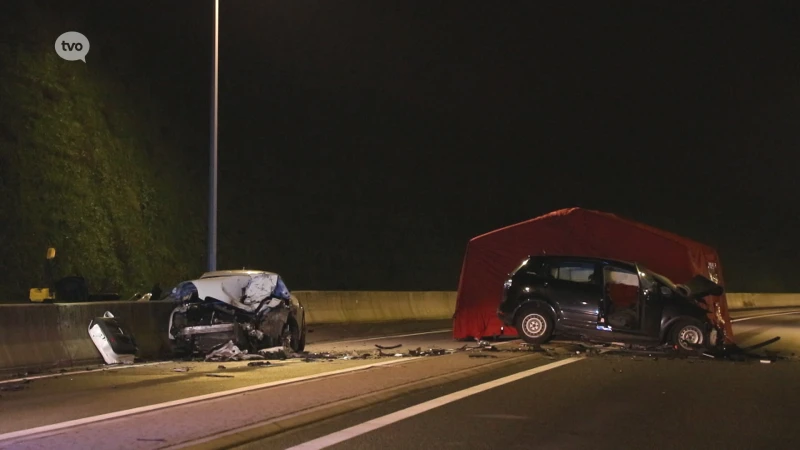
(535, 266)
(576, 272)
(619, 276)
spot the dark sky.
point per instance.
(441, 120)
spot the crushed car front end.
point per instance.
(254, 309)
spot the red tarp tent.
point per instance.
(575, 231)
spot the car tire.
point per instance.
(297, 335)
(535, 324)
(301, 343)
(688, 335)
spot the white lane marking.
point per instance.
(381, 337)
(764, 315)
(101, 369)
(148, 408)
(374, 424)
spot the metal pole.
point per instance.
(212, 195)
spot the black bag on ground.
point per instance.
(72, 289)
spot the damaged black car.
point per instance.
(606, 300)
(252, 308)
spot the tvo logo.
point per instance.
(72, 46)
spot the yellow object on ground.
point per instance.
(39, 295)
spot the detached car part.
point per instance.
(253, 309)
(113, 339)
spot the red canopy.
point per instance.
(575, 231)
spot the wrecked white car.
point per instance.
(252, 308)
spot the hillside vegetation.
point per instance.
(91, 164)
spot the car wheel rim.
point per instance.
(690, 336)
(534, 325)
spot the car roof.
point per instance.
(615, 262)
(227, 273)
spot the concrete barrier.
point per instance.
(29, 336)
(376, 306)
(40, 336)
(56, 335)
(752, 300)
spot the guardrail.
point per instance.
(40, 336)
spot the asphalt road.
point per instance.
(63, 397)
(749, 331)
(599, 401)
(605, 401)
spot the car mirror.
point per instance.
(665, 291)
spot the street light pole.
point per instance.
(212, 195)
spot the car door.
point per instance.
(652, 297)
(622, 298)
(574, 286)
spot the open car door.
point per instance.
(621, 305)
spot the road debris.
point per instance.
(534, 348)
(654, 352)
(274, 353)
(218, 375)
(481, 345)
(259, 364)
(13, 387)
(388, 347)
(354, 355)
(230, 352)
(482, 355)
(429, 352)
(181, 369)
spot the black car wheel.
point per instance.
(689, 335)
(301, 341)
(296, 337)
(535, 325)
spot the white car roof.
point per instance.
(227, 273)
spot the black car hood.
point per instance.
(700, 286)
